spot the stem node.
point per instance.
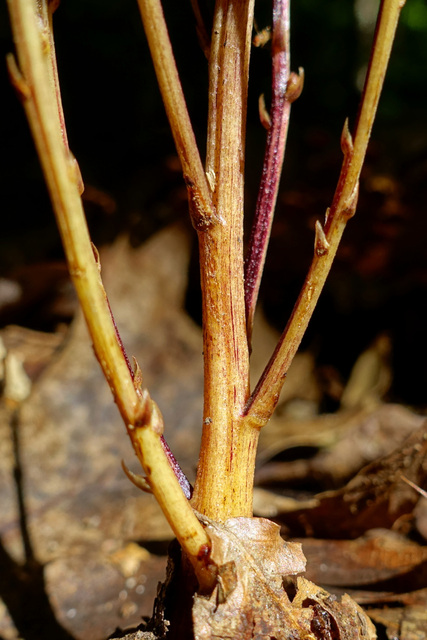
(346, 140)
(321, 245)
(295, 85)
(18, 81)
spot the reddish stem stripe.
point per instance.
(180, 475)
(273, 159)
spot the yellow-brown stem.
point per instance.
(202, 212)
(33, 80)
(225, 472)
(266, 394)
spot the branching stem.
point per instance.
(232, 419)
(273, 159)
(266, 394)
(224, 483)
(35, 84)
(202, 212)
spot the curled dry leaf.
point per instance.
(381, 560)
(409, 623)
(333, 618)
(345, 442)
(376, 497)
(250, 599)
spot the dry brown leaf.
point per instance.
(91, 596)
(250, 600)
(409, 623)
(370, 377)
(376, 497)
(35, 348)
(268, 504)
(333, 618)
(67, 441)
(346, 442)
(420, 515)
(381, 559)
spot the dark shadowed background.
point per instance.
(119, 134)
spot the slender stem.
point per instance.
(265, 396)
(273, 159)
(180, 475)
(201, 209)
(202, 32)
(224, 481)
(140, 414)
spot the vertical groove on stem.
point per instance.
(225, 472)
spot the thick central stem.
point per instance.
(225, 473)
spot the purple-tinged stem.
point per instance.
(31, 75)
(264, 398)
(180, 475)
(273, 160)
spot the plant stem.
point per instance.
(224, 481)
(266, 394)
(141, 416)
(202, 32)
(201, 209)
(273, 160)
